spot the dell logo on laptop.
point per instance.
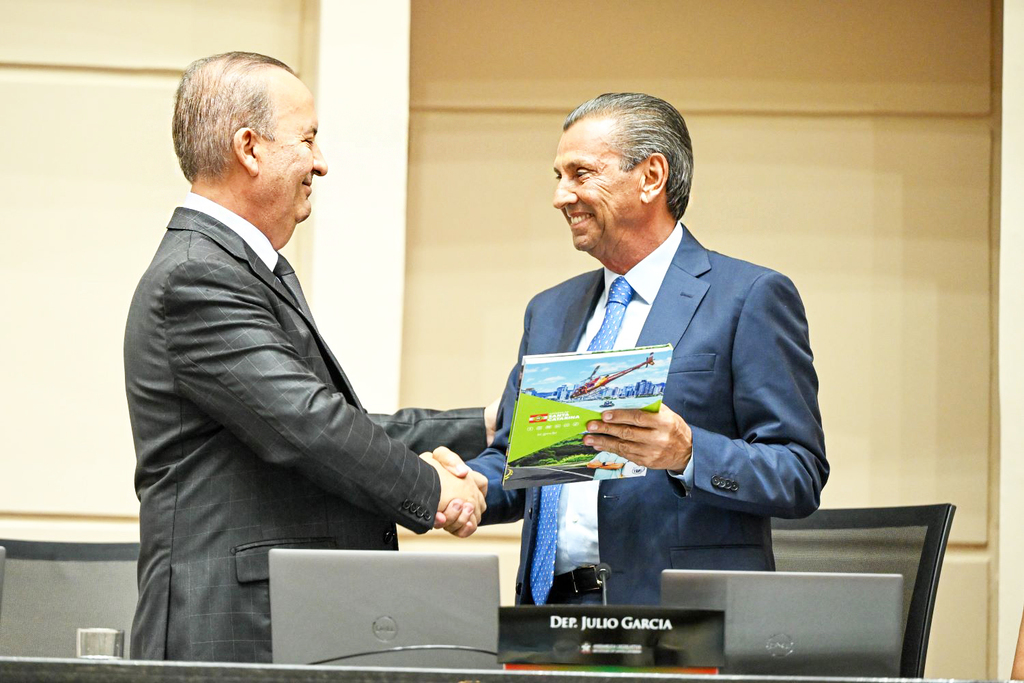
(779, 645)
(385, 628)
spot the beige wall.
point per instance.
(89, 180)
(1011, 335)
(848, 145)
(364, 124)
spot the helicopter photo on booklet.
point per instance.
(559, 394)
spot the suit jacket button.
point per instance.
(716, 481)
(733, 486)
(406, 504)
(388, 537)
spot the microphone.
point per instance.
(603, 572)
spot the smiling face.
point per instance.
(600, 202)
(288, 163)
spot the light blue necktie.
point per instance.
(542, 572)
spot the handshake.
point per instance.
(462, 493)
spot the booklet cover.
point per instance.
(559, 393)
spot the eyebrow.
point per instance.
(574, 163)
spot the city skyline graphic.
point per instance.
(557, 378)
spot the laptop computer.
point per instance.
(379, 608)
(799, 623)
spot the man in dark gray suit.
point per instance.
(248, 435)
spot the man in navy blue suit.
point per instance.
(738, 438)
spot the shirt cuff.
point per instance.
(686, 476)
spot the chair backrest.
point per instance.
(900, 540)
(52, 589)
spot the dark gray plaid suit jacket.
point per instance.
(248, 436)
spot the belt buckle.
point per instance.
(589, 568)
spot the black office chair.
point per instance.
(52, 589)
(898, 540)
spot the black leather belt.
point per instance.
(578, 581)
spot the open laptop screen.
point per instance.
(379, 608)
(799, 623)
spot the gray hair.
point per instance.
(646, 125)
(217, 96)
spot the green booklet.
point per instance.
(559, 393)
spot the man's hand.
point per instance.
(456, 511)
(462, 493)
(457, 517)
(659, 441)
(491, 420)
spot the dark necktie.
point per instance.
(542, 572)
(286, 274)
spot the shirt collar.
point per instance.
(252, 236)
(645, 277)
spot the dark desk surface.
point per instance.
(24, 670)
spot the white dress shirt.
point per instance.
(256, 240)
(577, 504)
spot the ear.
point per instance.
(243, 144)
(653, 177)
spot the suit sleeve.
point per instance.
(777, 468)
(462, 430)
(231, 357)
(503, 506)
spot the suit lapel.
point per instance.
(231, 242)
(337, 372)
(333, 366)
(581, 307)
(681, 292)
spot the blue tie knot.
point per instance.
(620, 291)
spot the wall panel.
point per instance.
(848, 145)
(92, 198)
(477, 254)
(156, 34)
(83, 530)
(960, 633)
(857, 56)
(883, 225)
(89, 181)
(1010, 221)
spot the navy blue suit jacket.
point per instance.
(741, 376)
